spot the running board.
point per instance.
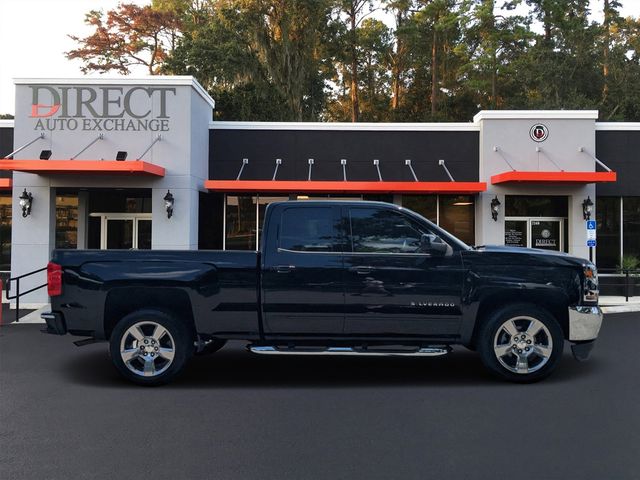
(419, 352)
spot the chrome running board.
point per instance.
(420, 352)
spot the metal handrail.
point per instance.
(618, 272)
(18, 292)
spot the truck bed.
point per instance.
(218, 289)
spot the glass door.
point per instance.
(119, 233)
(546, 234)
(124, 231)
(543, 233)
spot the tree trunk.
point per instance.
(434, 72)
(607, 40)
(355, 104)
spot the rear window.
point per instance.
(307, 229)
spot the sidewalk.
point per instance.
(614, 304)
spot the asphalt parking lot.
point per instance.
(65, 413)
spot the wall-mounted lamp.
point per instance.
(26, 199)
(168, 204)
(587, 208)
(121, 156)
(495, 208)
(45, 154)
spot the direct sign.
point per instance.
(591, 243)
(89, 108)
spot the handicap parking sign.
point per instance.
(591, 233)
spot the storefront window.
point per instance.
(457, 216)
(425, 205)
(608, 217)
(262, 208)
(5, 232)
(66, 221)
(240, 221)
(631, 226)
(536, 206)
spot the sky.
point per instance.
(34, 37)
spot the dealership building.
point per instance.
(138, 163)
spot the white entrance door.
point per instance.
(538, 232)
(125, 230)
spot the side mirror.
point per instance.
(434, 245)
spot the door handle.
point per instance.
(362, 269)
(284, 268)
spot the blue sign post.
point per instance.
(591, 237)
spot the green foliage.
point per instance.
(629, 262)
(336, 60)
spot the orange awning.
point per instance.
(314, 186)
(553, 177)
(92, 167)
(5, 184)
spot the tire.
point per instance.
(536, 335)
(212, 347)
(150, 348)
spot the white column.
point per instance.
(180, 232)
(32, 240)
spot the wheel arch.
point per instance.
(121, 302)
(556, 303)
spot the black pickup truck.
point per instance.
(331, 278)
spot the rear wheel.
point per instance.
(521, 343)
(150, 347)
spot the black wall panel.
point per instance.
(620, 151)
(295, 147)
(6, 147)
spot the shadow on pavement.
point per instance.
(233, 367)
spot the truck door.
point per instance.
(302, 277)
(401, 279)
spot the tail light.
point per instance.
(54, 279)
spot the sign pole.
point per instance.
(591, 237)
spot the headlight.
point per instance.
(590, 290)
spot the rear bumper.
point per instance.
(584, 323)
(55, 323)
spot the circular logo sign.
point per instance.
(539, 132)
(545, 233)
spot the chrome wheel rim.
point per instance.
(523, 345)
(147, 349)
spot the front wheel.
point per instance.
(150, 347)
(521, 343)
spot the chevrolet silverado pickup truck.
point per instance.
(330, 278)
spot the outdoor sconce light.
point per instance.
(495, 208)
(168, 204)
(26, 199)
(587, 208)
(45, 154)
(121, 156)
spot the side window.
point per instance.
(307, 229)
(385, 231)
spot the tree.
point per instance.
(131, 35)
(286, 35)
(353, 11)
(402, 11)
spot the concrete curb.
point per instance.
(634, 307)
(34, 317)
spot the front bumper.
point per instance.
(584, 323)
